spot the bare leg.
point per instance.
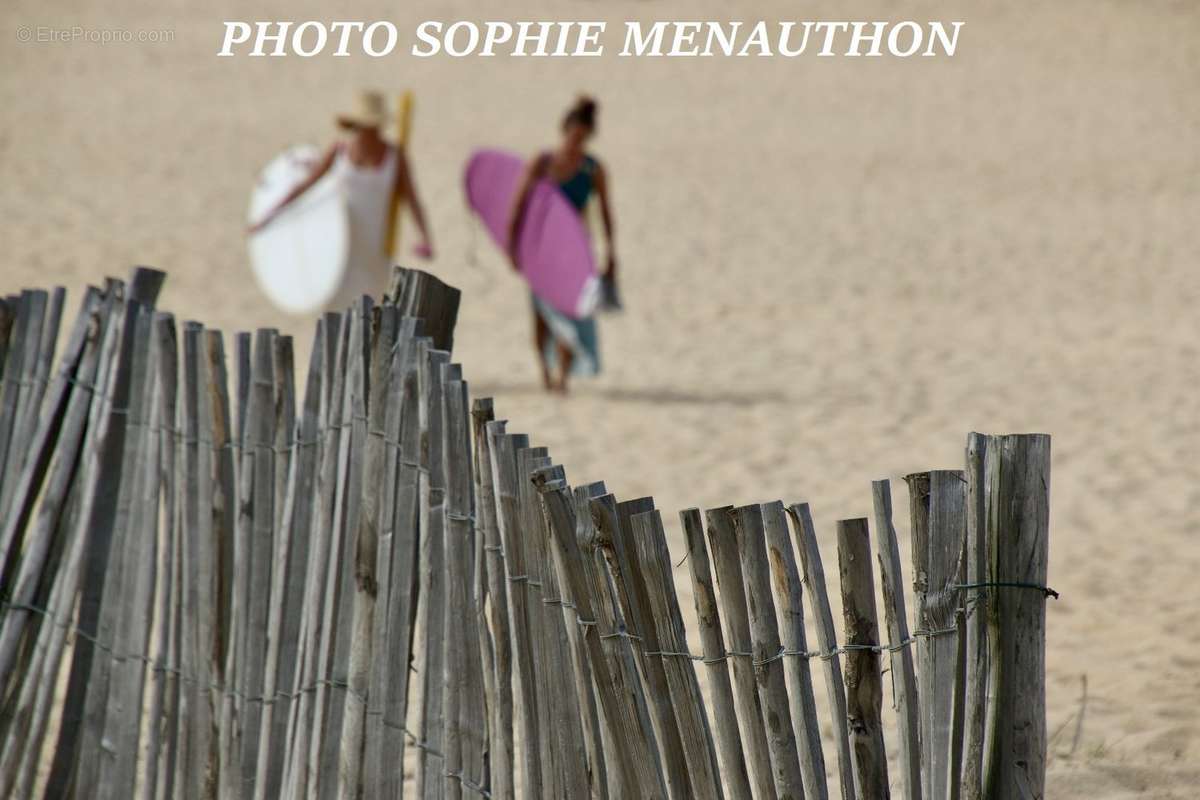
(565, 357)
(541, 335)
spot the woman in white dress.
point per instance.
(370, 171)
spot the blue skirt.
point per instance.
(577, 335)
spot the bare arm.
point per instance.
(406, 187)
(318, 172)
(606, 216)
(533, 171)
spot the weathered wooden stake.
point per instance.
(615, 634)
(975, 557)
(630, 766)
(366, 559)
(655, 561)
(395, 670)
(864, 685)
(790, 606)
(728, 569)
(729, 741)
(958, 710)
(768, 669)
(904, 679)
(813, 575)
(631, 587)
(1018, 529)
(432, 591)
(500, 724)
(504, 448)
(939, 512)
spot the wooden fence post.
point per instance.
(432, 591)
(504, 468)
(616, 635)
(728, 569)
(549, 700)
(631, 587)
(454, 606)
(566, 759)
(350, 513)
(162, 741)
(655, 561)
(958, 711)
(257, 534)
(463, 679)
(290, 553)
(864, 686)
(1018, 526)
(904, 679)
(386, 387)
(371, 498)
(768, 669)
(423, 296)
(562, 617)
(333, 656)
(207, 550)
(134, 613)
(233, 708)
(330, 348)
(976, 700)
(500, 726)
(558, 604)
(630, 768)
(937, 501)
(586, 539)
(729, 740)
(790, 606)
(394, 676)
(818, 598)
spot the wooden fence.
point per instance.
(216, 589)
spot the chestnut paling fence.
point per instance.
(214, 587)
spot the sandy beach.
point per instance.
(834, 269)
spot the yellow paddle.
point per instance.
(404, 104)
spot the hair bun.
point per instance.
(582, 112)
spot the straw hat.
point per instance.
(370, 111)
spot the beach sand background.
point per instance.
(835, 269)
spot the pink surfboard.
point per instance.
(554, 251)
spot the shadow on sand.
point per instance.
(642, 394)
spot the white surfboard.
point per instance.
(299, 258)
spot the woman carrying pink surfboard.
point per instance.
(566, 344)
